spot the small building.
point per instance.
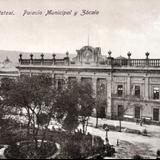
(8, 69)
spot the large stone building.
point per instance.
(129, 85)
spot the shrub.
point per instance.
(72, 150)
(12, 151)
(144, 132)
(27, 150)
(109, 150)
(137, 157)
(158, 152)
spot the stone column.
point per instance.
(146, 88)
(109, 97)
(128, 85)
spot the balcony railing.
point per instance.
(25, 61)
(109, 62)
(47, 62)
(136, 62)
(36, 62)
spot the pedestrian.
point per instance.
(137, 121)
(144, 120)
(117, 142)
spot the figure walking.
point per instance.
(141, 122)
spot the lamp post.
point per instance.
(106, 130)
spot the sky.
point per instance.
(120, 26)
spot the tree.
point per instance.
(100, 109)
(6, 85)
(36, 98)
(66, 108)
(120, 117)
(121, 112)
(76, 105)
(6, 125)
(101, 101)
(86, 102)
(1, 117)
(70, 123)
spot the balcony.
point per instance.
(136, 62)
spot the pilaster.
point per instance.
(146, 84)
(128, 85)
(109, 97)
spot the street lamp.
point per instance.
(106, 128)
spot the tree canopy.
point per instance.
(76, 103)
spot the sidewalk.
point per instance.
(152, 129)
(147, 146)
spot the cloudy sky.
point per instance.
(120, 26)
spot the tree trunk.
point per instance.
(83, 127)
(120, 125)
(87, 124)
(28, 124)
(28, 128)
(96, 121)
(44, 134)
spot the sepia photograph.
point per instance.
(79, 79)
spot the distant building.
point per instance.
(8, 69)
(126, 84)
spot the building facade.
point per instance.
(131, 86)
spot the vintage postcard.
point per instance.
(79, 79)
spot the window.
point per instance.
(137, 91)
(101, 89)
(137, 112)
(155, 114)
(120, 90)
(60, 84)
(156, 93)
